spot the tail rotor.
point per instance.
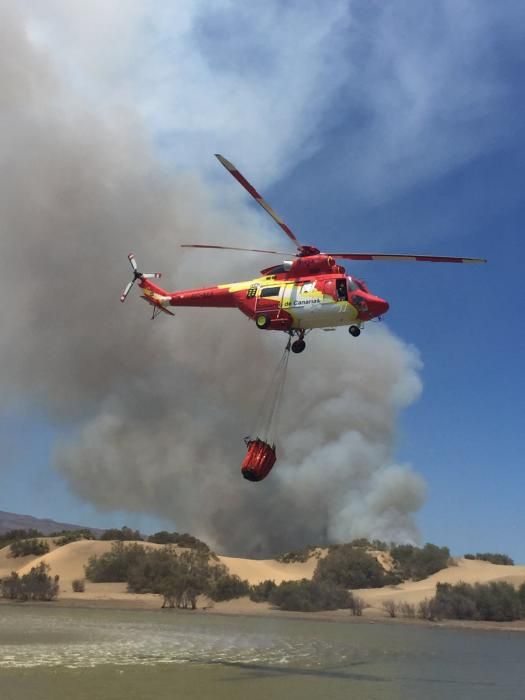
(137, 276)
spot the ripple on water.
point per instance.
(95, 642)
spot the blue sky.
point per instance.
(368, 127)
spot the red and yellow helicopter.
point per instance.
(308, 291)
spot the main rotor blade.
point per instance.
(404, 258)
(245, 250)
(260, 200)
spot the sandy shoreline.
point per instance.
(68, 563)
(257, 610)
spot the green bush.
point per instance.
(114, 565)
(418, 563)
(407, 610)
(147, 572)
(164, 537)
(67, 536)
(181, 540)
(78, 585)
(125, 534)
(192, 575)
(495, 601)
(12, 535)
(23, 548)
(10, 586)
(491, 557)
(179, 577)
(351, 567)
(36, 585)
(227, 587)
(260, 592)
(310, 596)
(296, 555)
(390, 607)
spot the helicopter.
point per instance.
(308, 290)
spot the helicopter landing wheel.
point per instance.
(298, 346)
(354, 330)
(262, 321)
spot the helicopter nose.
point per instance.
(378, 306)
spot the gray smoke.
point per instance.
(156, 412)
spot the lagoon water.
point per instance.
(48, 653)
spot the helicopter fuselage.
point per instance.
(281, 300)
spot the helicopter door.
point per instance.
(269, 297)
(334, 290)
(341, 290)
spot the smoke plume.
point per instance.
(156, 412)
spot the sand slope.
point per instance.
(9, 563)
(257, 570)
(467, 570)
(68, 562)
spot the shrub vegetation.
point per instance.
(23, 548)
(417, 563)
(351, 567)
(228, 586)
(179, 577)
(36, 585)
(364, 543)
(115, 565)
(67, 536)
(260, 592)
(11, 536)
(390, 607)
(496, 601)
(297, 555)
(493, 558)
(310, 596)
(124, 534)
(181, 540)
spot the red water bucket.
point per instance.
(259, 460)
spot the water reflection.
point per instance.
(240, 653)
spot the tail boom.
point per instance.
(215, 297)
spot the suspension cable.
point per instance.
(273, 397)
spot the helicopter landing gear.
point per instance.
(354, 331)
(298, 346)
(262, 321)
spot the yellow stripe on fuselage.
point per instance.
(259, 281)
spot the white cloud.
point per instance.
(414, 89)
(253, 80)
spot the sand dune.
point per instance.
(257, 570)
(9, 563)
(466, 570)
(68, 562)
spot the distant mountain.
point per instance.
(15, 521)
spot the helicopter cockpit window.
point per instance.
(361, 285)
(270, 291)
(352, 286)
